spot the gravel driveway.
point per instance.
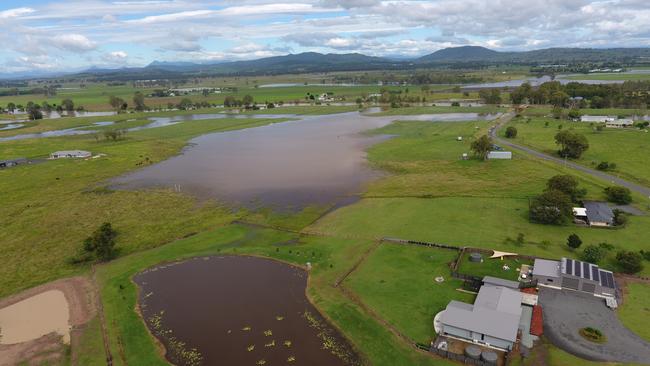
(566, 312)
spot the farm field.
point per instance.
(610, 76)
(624, 147)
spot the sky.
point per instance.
(55, 36)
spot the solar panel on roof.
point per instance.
(577, 270)
(610, 280)
(585, 270)
(569, 266)
(603, 279)
(594, 274)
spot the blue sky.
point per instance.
(47, 35)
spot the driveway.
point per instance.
(568, 163)
(566, 312)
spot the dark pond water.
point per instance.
(234, 310)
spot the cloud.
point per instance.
(14, 13)
(73, 42)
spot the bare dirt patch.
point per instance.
(82, 305)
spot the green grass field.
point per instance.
(636, 308)
(625, 147)
(398, 283)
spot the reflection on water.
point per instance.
(317, 160)
(238, 311)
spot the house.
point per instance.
(499, 155)
(70, 154)
(12, 162)
(598, 213)
(574, 275)
(596, 119)
(493, 319)
(620, 123)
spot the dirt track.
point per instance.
(82, 305)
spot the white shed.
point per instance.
(499, 155)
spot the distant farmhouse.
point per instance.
(499, 155)
(609, 121)
(70, 154)
(493, 320)
(594, 213)
(575, 275)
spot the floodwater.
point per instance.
(10, 126)
(57, 133)
(537, 82)
(232, 310)
(35, 317)
(318, 160)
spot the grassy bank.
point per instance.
(635, 310)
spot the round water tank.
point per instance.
(489, 357)
(473, 352)
(475, 257)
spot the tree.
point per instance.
(117, 103)
(33, 111)
(205, 92)
(620, 218)
(482, 146)
(511, 132)
(574, 241)
(138, 102)
(567, 184)
(229, 101)
(11, 107)
(68, 105)
(629, 262)
(490, 96)
(559, 99)
(185, 104)
(574, 113)
(248, 100)
(618, 195)
(572, 144)
(552, 207)
(102, 242)
(593, 253)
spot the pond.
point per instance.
(317, 160)
(233, 310)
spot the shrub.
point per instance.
(511, 132)
(629, 262)
(620, 218)
(593, 253)
(574, 241)
(618, 195)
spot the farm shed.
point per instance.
(12, 162)
(499, 155)
(574, 275)
(70, 154)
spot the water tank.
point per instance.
(489, 357)
(475, 257)
(473, 352)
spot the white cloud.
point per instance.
(73, 42)
(14, 13)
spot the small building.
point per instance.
(598, 213)
(620, 123)
(70, 154)
(493, 320)
(499, 155)
(12, 162)
(596, 119)
(574, 275)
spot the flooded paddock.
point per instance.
(232, 310)
(317, 160)
(35, 317)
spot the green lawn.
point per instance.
(636, 308)
(610, 76)
(439, 109)
(492, 267)
(397, 282)
(625, 147)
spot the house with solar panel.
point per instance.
(574, 275)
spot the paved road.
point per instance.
(595, 173)
(566, 312)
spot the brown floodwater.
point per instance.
(233, 310)
(317, 160)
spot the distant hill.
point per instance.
(476, 54)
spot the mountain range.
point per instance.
(316, 62)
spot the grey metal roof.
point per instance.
(494, 281)
(496, 313)
(546, 268)
(599, 212)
